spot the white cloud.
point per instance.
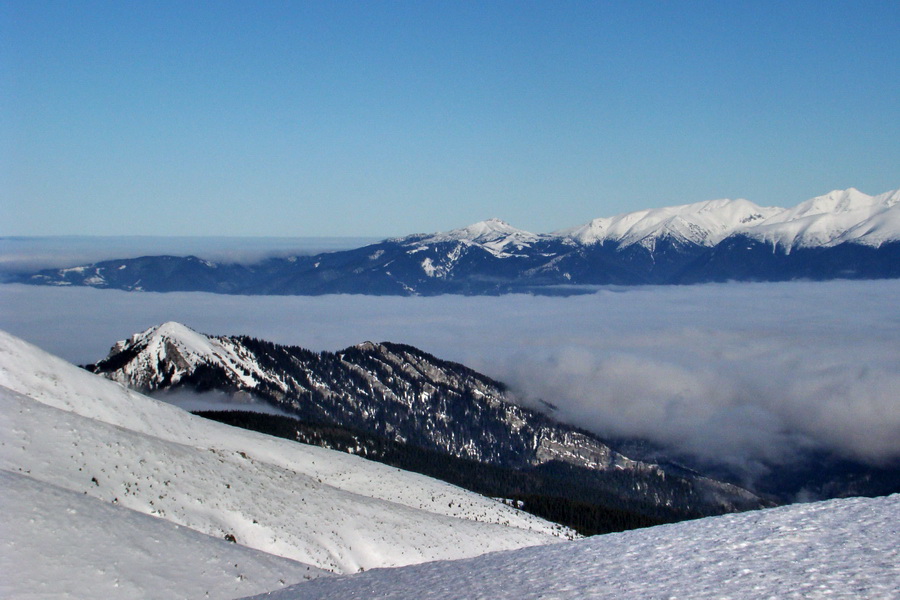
(735, 373)
(25, 254)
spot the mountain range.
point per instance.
(843, 234)
(109, 493)
(385, 392)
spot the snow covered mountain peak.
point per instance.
(703, 223)
(174, 332)
(488, 230)
(496, 236)
(835, 201)
(837, 217)
(184, 349)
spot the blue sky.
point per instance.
(387, 118)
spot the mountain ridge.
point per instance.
(68, 428)
(842, 234)
(400, 393)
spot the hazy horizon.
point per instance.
(29, 253)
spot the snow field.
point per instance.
(70, 432)
(226, 493)
(62, 544)
(847, 549)
(52, 381)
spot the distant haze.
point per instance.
(737, 374)
(54, 252)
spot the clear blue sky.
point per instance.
(387, 118)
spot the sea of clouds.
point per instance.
(26, 254)
(739, 374)
(732, 373)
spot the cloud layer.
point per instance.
(25, 254)
(735, 374)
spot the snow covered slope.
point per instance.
(497, 237)
(836, 549)
(62, 544)
(64, 427)
(702, 223)
(841, 216)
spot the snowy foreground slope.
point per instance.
(847, 548)
(63, 544)
(66, 430)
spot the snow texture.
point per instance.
(66, 429)
(836, 549)
(62, 544)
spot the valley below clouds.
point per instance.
(740, 375)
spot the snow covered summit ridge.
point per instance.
(496, 236)
(837, 217)
(703, 223)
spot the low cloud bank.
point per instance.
(214, 400)
(25, 254)
(733, 374)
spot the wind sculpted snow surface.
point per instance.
(836, 549)
(63, 544)
(65, 429)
